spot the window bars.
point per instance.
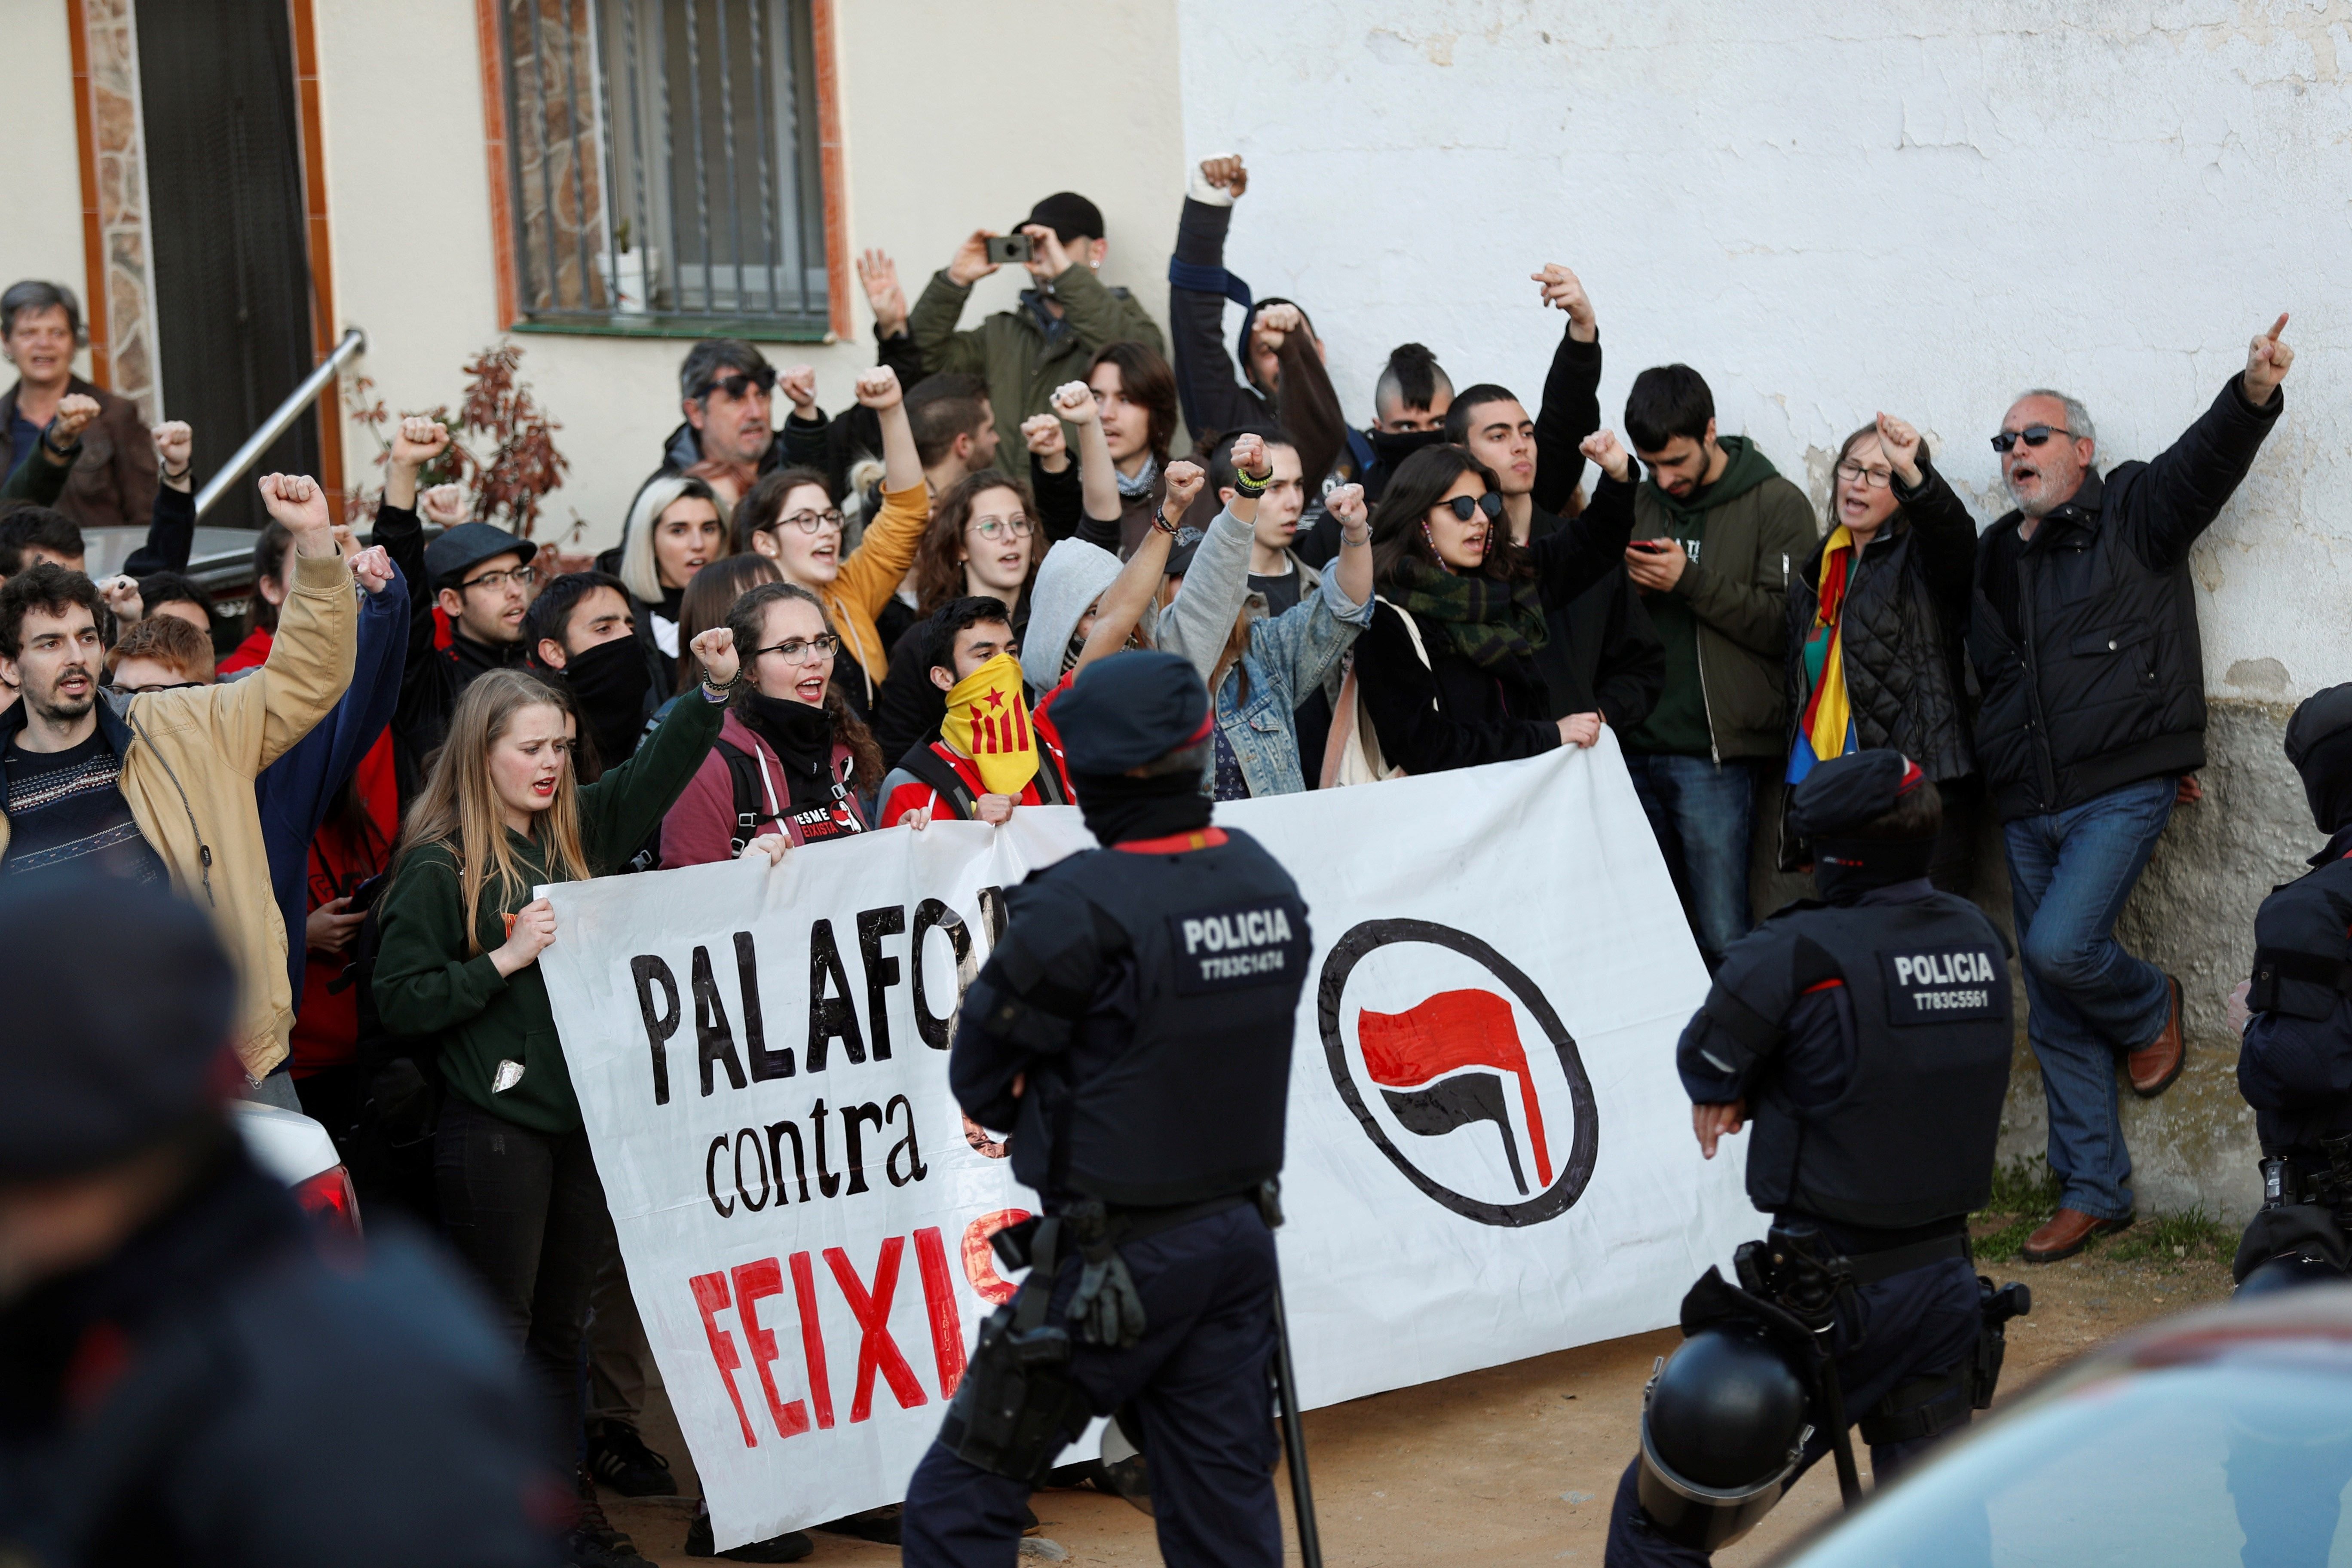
(663, 156)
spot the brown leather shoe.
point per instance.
(2155, 1065)
(2068, 1232)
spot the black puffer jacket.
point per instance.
(1906, 607)
(2107, 686)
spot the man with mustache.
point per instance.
(2084, 633)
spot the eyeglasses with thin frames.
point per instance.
(2033, 436)
(995, 528)
(802, 650)
(518, 575)
(1875, 478)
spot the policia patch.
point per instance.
(1233, 946)
(1945, 983)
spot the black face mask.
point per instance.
(609, 681)
(1846, 868)
(802, 734)
(1119, 809)
(1393, 447)
(2326, 770)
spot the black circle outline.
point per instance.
(1584, 1149)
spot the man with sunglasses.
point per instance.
(2083, 633)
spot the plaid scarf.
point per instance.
(1492, 624)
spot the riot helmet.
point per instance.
(1724, 1423)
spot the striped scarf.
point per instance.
(1827, 729)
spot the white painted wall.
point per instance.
(944, 129)
(40, 194)
(1832, 207)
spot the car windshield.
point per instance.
(2187, 1464)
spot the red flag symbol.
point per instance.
(1453, 1030)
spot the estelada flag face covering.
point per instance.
(988, 721)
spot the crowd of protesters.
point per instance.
(825, 626)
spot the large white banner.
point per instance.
(1490, 1155)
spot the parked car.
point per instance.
(298, 1151)
(2216, 1437)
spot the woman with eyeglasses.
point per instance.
(793, 756)
(674, 532)
(793, 516)
(1446, 672)
(1875, 621)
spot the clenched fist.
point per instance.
(1075, 401)
(1042, 432)
(1609, 455)
(75, 411)
(175, 448)
(879, 388)
(1250, 458)
(1226, 173)
(445, 504)
(1184, 480)
(798, 384)
(716, 649)
(417, 442)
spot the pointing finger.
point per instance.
(2278, 326)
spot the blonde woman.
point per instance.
(458, 970)
(675, 531)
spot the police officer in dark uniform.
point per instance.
(187, 1374)
(1868, 1037)
(1133, 1027)
(2295, 1066)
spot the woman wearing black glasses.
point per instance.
(791, 756)
(1875, 619)
(794, 517)
(1447, 671)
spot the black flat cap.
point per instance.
(1132, 709)
(2323, 716)
(461, 549)
(1847, 792)
(1068, 215)
(119, 1002)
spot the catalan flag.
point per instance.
(1827, 729)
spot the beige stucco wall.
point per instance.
(945, 129)
(40, 196)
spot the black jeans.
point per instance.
(528, 1211)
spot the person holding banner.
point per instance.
(1869, 1036)
(1133, 1026)
(458, 964)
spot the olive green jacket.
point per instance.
(430, 984)
(1010, 349)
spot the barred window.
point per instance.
(664, 164)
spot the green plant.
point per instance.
(2025, 1194)
(2166, 1237)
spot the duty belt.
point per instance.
(1093, 1224)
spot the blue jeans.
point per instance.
(2088, 1000)
(1703, 813)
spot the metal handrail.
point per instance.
(355, 343)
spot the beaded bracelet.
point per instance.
(1250, 488)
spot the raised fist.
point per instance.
(300, 502)
(1249, 458)
(372, 567)
(1042, 432)
(1075, 401)
(716, 649)
(1226, 175)
(1346, 504)
(75, 411)
(443, 504)
(1274, 323)
(879, 388)
(122, 597)
(418, 441)
(1609, 455)
(175, 446)
(1900, 442)
(2267, 360)
(798, 384)
(1184, 480)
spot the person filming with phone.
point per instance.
(1065, 317)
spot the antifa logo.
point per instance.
(1456, 1057)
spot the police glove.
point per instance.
(1106, 1310)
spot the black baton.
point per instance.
(1294, 1437)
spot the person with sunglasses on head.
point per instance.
(1446, 673)
(727, 392)
(2083, 630)
(1875, 616)
(793, 516)
(794, 763)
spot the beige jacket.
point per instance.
(188, 761)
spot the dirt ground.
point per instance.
(1516, 1463)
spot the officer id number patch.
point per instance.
(1238, 945)
(1951, 983)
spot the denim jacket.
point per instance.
(1289, 654)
